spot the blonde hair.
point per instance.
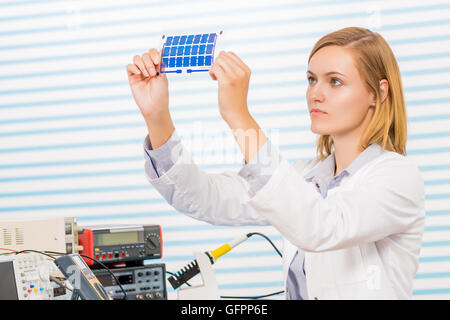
(375, 61)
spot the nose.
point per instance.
(316, 93)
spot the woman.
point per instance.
(352, 218)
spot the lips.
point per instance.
(317, 111)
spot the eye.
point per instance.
(336, 82)
(310, 79)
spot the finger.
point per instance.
(226, 65)
(132, 69)
(156, 56)
(239, 61)
(217, 72)
(236, 68)
(137, 60)
(149, 64)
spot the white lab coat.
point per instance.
(361, 242)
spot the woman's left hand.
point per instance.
(233, 78)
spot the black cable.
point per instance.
(254, 297)
(48, 254)
(109, 270)
(279, 253)
(267, 238)
(251, 297)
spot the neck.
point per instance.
(345, 151)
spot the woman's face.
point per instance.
(336, 88)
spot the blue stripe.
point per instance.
(211, 241)
(241, 25)
(437, 228)
(435, 244)
(434, 259)
(436, 213)
(72, 175)
(299, 112)
(230, 255)
(67, 163)
(437, 196)
(81, 205)
(431, 291)
(272, 85)
(140, 124)
(101, 189)
(432, 275)
(435, 167)
(119, 68)
(130, 215)
(139, 142)
(74, 191)
(436, 182)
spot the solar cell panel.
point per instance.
(188, 53)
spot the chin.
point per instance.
(320, 129)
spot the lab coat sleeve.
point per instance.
(390, 200)
(219, 199)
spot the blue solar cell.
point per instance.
(188, 50)
(179, 61)
(201, 60)
(212, 37)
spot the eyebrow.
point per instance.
(328, 73)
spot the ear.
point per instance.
(384, 89)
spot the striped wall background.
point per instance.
(71, 135)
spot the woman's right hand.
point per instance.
(150, 88)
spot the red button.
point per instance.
(122, 254)
(103, 256)
(109, 255)
(97, 256)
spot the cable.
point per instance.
(267, 238)
(109, 270)
(266, 295)
(249, 297)
(253, 297)
(48, 254)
